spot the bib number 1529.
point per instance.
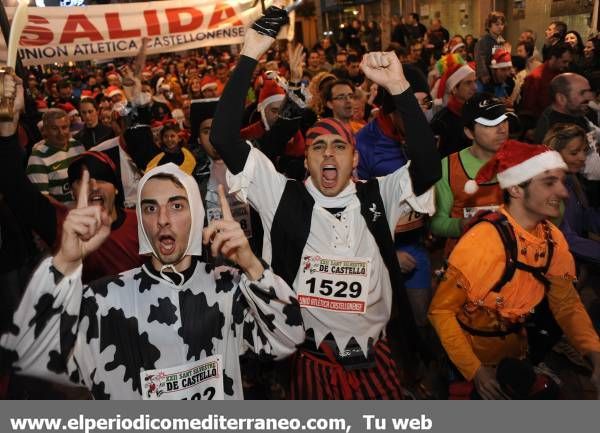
(338, 289)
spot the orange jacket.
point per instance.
(475, 265)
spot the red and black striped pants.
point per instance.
(313, 378)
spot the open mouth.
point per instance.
(329, 175)
(95, 199)
(554, 204)
(166, 244)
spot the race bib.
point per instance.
(239, 210)
(200, 380)
(338, 284)
(470, 212)
(410, 221)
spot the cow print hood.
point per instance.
(194, 247)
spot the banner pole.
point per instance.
(5, 26)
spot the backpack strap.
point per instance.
(539, 273)
(509, 241)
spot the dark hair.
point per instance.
(63, 84)
(596, 42)
(99, 98)
(169, 127)
(561, 29)
(89, 101)
(529, 47)
(557, 50)
(352, 58)
(494, 17)
(167, 176)
(579, 46)
(415, 16)
(506, 195)
(327, 93)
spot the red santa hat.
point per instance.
(269, 93)
(113, 74)
(208, 82)
(112, 90)
(515, 163)
(452, 69)
(147, 72)
(86, 94)
(454, 75)
(68, 108)
(41, 105)
(500, 59)
(453, 47)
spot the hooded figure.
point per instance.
(194, 243)
(160, 331)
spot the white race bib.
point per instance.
(338, 284)
(200, 380)
(470, 212)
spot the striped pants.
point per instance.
(313, 378)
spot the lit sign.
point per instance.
(62, 3)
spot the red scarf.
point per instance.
(455, 105)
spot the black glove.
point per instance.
(271, 22)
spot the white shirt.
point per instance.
(105, 335)
(349, 236)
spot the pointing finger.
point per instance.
(82, 197)
(225, 210)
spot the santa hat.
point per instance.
(68, 108)
(147, 73)
(86, 94)
(269, 93)
(500, 59)
(178, 115)
(41, 105)
(208, 82)
(452, 69)
(113, 74)
(112, 90)
(158, 69)
(515, 163)
(456, 46)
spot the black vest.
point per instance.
(289, 234)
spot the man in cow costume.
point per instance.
(173, 328)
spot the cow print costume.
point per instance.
(105, 334)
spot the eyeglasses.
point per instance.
(426, 102)
(346, 97)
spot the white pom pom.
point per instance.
(471, 187)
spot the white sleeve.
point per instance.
(260, 184)
(398, 197)
(46, 326)
(272, 324)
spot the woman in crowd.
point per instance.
(573, 38)
(578, 218)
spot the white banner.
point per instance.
(59, 34)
